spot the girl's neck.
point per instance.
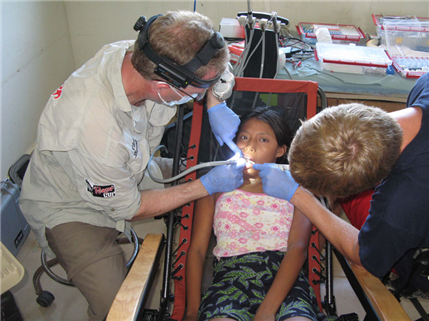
(252, 184)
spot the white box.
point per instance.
(351, 59)
(230, 28)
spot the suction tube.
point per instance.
(186, 172)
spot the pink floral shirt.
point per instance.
(247, 222)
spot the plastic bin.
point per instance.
(379, 20)
(407, 43)
(352, 59)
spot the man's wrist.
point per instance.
(212, 100)
(203, 186)
(303, 200)
(295, 197)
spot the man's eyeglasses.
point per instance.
(199, 97)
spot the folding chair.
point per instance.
(192, 142)
(297, 100)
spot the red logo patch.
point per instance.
(104, 191)
(57, 94)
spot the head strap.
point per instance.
(169, 70)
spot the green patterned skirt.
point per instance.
(240, 283)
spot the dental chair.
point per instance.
(189, 140)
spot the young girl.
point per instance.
(262, 241)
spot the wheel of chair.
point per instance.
(45, 299)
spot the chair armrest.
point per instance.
(136, 286)
(378, 302)
(383, 301)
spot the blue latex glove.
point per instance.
(224, 178)
(276, 182)
(224, 123)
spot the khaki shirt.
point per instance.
(92, 150)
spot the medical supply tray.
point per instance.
(340, 33)
(379, 21)
(351, 58)
(407, 43)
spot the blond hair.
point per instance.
(345, 150)
(179, 35)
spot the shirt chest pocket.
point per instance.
(139, 154)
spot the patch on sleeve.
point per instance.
(57, 94)
(104, 191)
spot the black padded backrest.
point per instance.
(17, 170)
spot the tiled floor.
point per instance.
(69, 305)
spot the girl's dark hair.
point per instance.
(274, 118)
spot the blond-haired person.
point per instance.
(350, 148)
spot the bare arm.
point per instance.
(159, 201)
(201, 231)
(290, 267)
(211, 100)
(342, 235)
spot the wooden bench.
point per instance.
(133, 293)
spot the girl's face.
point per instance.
(257, 141)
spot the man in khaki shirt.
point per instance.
(95, 137)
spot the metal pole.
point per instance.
(165, 295)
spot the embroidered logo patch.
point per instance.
(104, 191)
(57, 94)
(135, 148)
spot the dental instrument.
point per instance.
(230, 161)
